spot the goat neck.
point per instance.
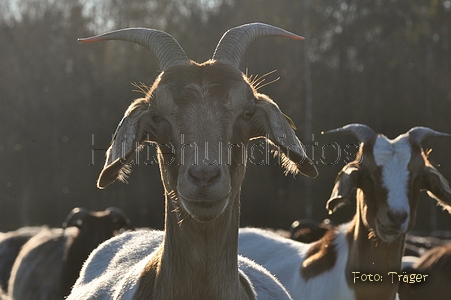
(370, 255)
(214, 249)
(193, 251)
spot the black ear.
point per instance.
(437, 187)
(269, 122)
(345, 183)
(134, 129)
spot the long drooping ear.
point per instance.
(345, 183)
(269, 122)
(134, 128)
(437, 187)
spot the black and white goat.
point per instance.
(360, 259)
(49, 263)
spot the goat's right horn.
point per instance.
(362, 132)
(163, 46)
(235, 41)
(419, 133)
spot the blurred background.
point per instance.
(384, 63)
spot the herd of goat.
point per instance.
(202, 253)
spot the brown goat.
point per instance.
(207, 112)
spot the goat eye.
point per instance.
(247, 114)
(156, 118)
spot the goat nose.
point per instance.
(397, 217)
(204, 176)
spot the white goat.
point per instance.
(206, 113)
(360, 259)
(49, 263)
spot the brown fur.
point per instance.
(204, 112)
(436, 264)
(193, 251)
(320, 257)
(372, 256)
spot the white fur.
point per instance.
(283, 257)
(112, 270)
(393, 156)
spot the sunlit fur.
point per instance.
(49, 263)
(10, 244)
(206, 113)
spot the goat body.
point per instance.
(114, 269)
(10, 244)
(37, 270)
(284, 257)
(388, 176)
(436, 265)
(49, 263)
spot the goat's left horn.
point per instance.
(362, 132)
(235, 41)
(418, 134)
(163, 46)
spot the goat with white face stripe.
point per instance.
(388, 175)
(392, 157)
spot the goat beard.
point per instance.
(373, 237)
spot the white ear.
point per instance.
(130, 134)
(269, 122)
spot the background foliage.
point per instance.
(385, 63)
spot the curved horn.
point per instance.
(235, 41)
(362, 132)
(163, 46)
(120, 216)
(418, 134)
(74, 218)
